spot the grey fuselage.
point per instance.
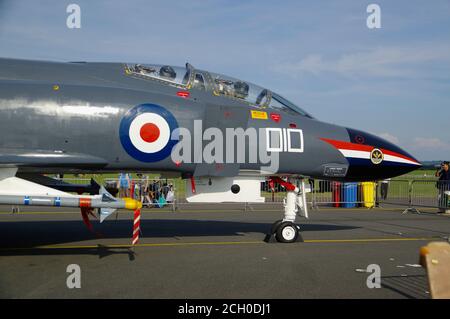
(66, 117)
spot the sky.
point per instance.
(393, 81)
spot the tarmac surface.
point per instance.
(216, 254)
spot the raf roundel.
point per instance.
(146, 132)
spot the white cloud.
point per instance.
(431, 143)
(382, 61)
(389, 137)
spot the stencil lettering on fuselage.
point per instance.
(284, 140)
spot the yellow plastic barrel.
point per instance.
(368, 194)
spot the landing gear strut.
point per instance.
(285, 230)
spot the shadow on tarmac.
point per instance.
(101, 251)
(30, 234)
(411, 286)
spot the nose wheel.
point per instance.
(285, 230)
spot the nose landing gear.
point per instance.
(285, 230)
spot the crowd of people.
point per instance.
(151, 192)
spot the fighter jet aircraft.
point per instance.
(223, 134)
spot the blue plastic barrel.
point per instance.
(350, 195)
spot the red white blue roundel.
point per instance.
(145, 132)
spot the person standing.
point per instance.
(146, 199)
(165, 189)
(170, 194)
(385, 188)
(137, 190)
(443, 186)
(156, 189)
(124, 184)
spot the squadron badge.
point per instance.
(376, 156)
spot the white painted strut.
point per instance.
(301, 198)
(290, 206)
(294, 202)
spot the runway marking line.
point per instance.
(310, 241)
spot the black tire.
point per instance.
(287, 232)
(275, 226)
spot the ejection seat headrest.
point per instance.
(167, 72)
(241, 89)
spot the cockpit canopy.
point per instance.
(169, 74)
(242, 90)
(217, 84)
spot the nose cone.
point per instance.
(373, 158)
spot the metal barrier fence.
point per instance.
(398, 192)
(415, 193)
(394, 192)
(151, 192)
(430, 193)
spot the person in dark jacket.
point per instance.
(443, 185)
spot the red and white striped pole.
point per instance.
(136, 226)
